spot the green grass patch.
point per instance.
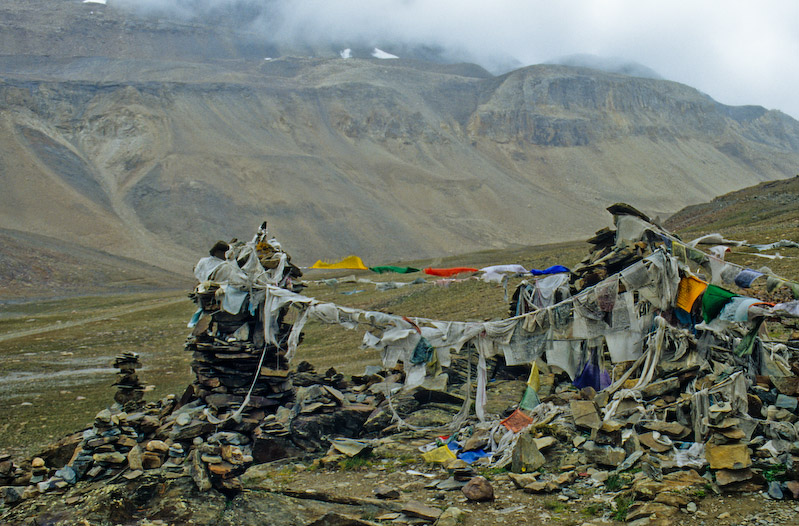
(622, 506)
(614, 482)
(775, 472)
(358, 462)
(555, 506)
(595, 510)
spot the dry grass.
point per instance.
(43, 376)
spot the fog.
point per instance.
(736, 51)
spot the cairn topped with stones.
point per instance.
(232, 357)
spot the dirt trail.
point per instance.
(112, 313)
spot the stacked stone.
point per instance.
(129, 391)
(727, 449)
(154, 455)
(39, 471)
(606, 257)
(227, 348)
(105, 447)
(222, 457)
(9, 473)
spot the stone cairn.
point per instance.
(227, 349)
(129, 391)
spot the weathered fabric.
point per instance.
(745, 278)
(737, 309)
(206, 266)
(554, 269)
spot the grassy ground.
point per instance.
(53, 382)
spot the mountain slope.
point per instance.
(154, 156)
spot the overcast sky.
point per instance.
(736, 51)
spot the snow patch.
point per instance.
(379, 53)
(345, 53)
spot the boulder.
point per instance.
(604, 455)
(526, 457)
(478, 489)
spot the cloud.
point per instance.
(739, 52)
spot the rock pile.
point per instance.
(9, 472)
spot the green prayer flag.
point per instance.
(748, 341)
(713, 300)
(391, 268)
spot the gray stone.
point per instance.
(135, 458)
(199, 472)
(386, 492)
(523, 479)
(190, 430)
(786, 402)
(725, 477)
(604, 455)
(660, 388)
(10, 494)
(674, 429)
(67, 474)
(630, 460)
(450, 484)
(113, 457)
(334, 518)
(526, 457)
(775, 490)
(417, 509)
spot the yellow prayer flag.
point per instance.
(534, 381)
(349, 262)
(689, 289)
(439, 455)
